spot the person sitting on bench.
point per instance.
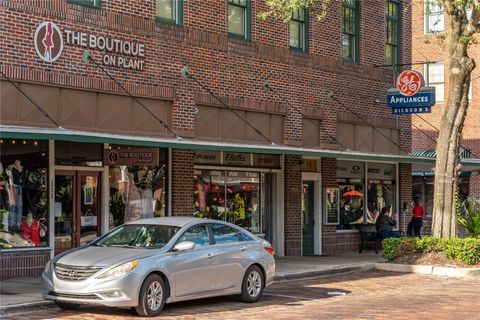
(385, 224)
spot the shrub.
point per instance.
(466, 250)
(470, 217)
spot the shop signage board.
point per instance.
(266, 160)
(207, 157)
(236, 158)
(49, 43)
(350, 169)
(382, 171)
(130, 157)
(410, 96)
(309, 165)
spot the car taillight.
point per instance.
(270, 250)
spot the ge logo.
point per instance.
(409, 82)
(113, 157)
(48, 41)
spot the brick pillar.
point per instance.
(329, 180)
(182, 182)
(405, 196)
(293, 206)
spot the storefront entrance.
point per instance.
(77, 208)
(308, 217)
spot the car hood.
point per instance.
(92, 256)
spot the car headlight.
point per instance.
(48, 267)
(119, 271)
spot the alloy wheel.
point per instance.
(154, 296)
(254, 284)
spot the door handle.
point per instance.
(210, 255)
(244, 248)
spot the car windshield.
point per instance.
(138, 236)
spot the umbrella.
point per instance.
(353, 193)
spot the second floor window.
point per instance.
(350, 30)
(88, 3)
(393, 35)
(436, 78)
(239, 18)
(169, 11)
(298, 30)
(434, 17)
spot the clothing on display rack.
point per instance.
(30, 229)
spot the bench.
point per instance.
(368, 233)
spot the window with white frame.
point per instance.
(436, 78)
(434, 17)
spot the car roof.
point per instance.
(171, 221)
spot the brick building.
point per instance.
(427, 46)
(300, 161)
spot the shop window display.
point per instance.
(351, 203)
(137, 192)
(23, 193)
(233, 196)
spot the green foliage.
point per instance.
(466, 250)
(282, 9)
(470, 219)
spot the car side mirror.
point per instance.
(183, 246)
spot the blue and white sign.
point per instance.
(420, 102)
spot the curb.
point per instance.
(322, 273)
(469, 273)
(25, 307)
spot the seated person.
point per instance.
(385, 224)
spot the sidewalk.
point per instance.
(25, 293)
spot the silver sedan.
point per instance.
(150, 262)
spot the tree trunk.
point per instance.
(447, 164)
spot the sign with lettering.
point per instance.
(410, 96)
(236, 158)
(309, 165)
(382, 171)
(49, 43)
(266, 160)
(350, 169)
(207, 157)
(130, 157)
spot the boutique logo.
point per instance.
(48, 41)
(113, 157)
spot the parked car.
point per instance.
(150, 262)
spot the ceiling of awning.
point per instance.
(194, 144)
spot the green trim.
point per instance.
(87, 3)
(176, 22)
(265, 149)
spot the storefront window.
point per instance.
(233, 196)
(381, 189)
(138, 191)
(23, 193)
(350, 178)
(68, 153)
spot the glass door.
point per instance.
(65, 182)
(77, 208)
(88, 211)
(308, 217)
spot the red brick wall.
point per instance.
(293, 206)
(182, 182)
(405, 197)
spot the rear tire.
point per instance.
(152, 297)
(67, 306)
(252, 285)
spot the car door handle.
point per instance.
(210, 255)
(244, 248)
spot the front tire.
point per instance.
(67, 306)
(252, 285)
(152, 296)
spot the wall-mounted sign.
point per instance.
(49, 44)
(266, 161)
(236, 158)
(350, 169)
(131, 157)
(48, 41)
(409, 96)
(207, 157)
(309, 165)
